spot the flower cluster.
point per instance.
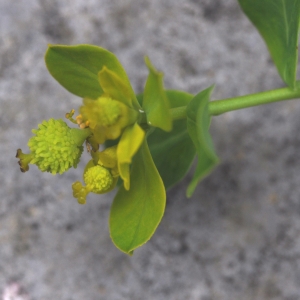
(114, 115)
(113, 124)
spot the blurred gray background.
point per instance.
(238, 237)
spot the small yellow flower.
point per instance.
(98, 179)
(54, 148)
(106, 117)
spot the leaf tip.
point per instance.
(189, 192)
(126, 184)
(103, 70)
(151, 68)
(147, 60)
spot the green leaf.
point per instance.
(129, 144)
(198, 122)
(155, 103)
(173, 152)
(76, 68)
(278, 23)
(135, 214)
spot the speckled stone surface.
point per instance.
(238, 237)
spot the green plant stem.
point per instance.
(218, 107)
(178, 113)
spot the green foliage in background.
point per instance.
(278, 23)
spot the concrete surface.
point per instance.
(237, 238)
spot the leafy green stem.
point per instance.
(222, 106)
(218, 107)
